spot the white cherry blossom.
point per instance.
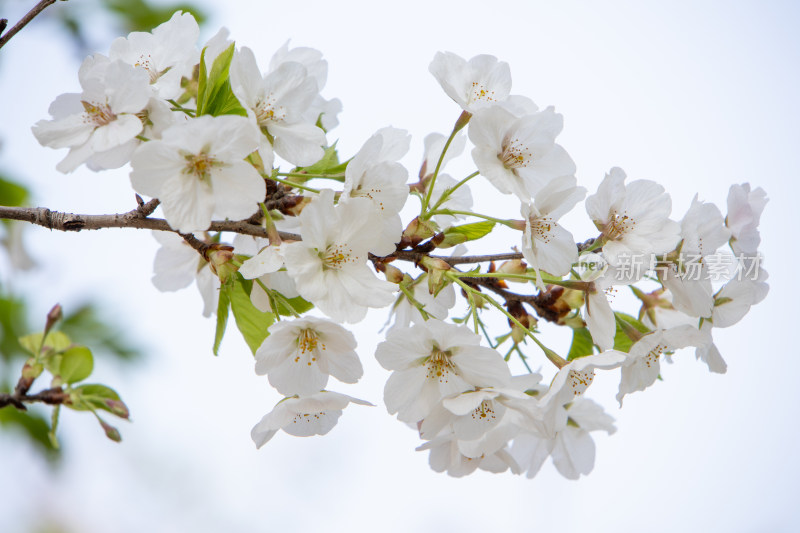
(643, 363)
(303, 417)
(375, 174)
(744, 213)
(546, 245)
(445, 456)
(518, 154)
(300, 354)
(474, 84)
(197, 170)
(277, 102)
(177, 265)
(633, 218)
(101, 118)
(167, 54)
(329, 265)
(432, 361)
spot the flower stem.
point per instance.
(448, 192)
(460, 123)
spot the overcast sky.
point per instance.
(694, 95)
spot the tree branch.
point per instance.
(52, 396)
(137, 218)
(41, 6)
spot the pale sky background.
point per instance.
(695, 95)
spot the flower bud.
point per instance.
(516, 309)
(515, 266)
(111, 432)
(32, 370)
(393, 274)
(219, 258)
(417, 231)
(293, 205)
(53, 316)
(435, 269)
(118, 408)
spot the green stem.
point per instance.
(272, 232)
(292, 184)
(550, 354)
(448, 192)
(337, 177)
(460, 123)
(510, 223)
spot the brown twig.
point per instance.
(41, 6)
(41, 216)
(52, 396)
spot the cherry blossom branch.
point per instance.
(136, 218)
(54, 396)
(41, 6)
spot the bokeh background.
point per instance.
(695, 95)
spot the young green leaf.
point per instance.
(76, 364)
(222, 316)
(582, 344)
(252, 323)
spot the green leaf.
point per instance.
(214, 94)
(93, 396)
(252, 323)
(77, 364)
(582, 344)
(329, 164)
(55, 341)
(88, 323)
(299, 305)
(32, 425)
(473, 231)
(222, 316)
(12, 194)
(622, 341)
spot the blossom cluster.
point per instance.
(205, 131)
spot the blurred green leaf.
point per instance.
(32, 425)
(77, 364)
(93, 396)
(12, 326)
(55, 341)
(12, 194)
(139, 15)
(87, 325)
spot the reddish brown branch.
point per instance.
(41, 6)
(54, 396)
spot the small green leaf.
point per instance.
(77, 364)
(12, 194)
(222, 316)
(622, 341)
(299, 305)
(252, 323)
(473, 231)
(582, 344)
(55, 341)
(329, 164)
(93, 396)
(214, 94)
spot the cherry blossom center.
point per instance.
(266, 111)
(619, 226)
(200, 165)
(514, 154)
(98, 114)
(307, 344)
(440, 367)
(337, 256)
